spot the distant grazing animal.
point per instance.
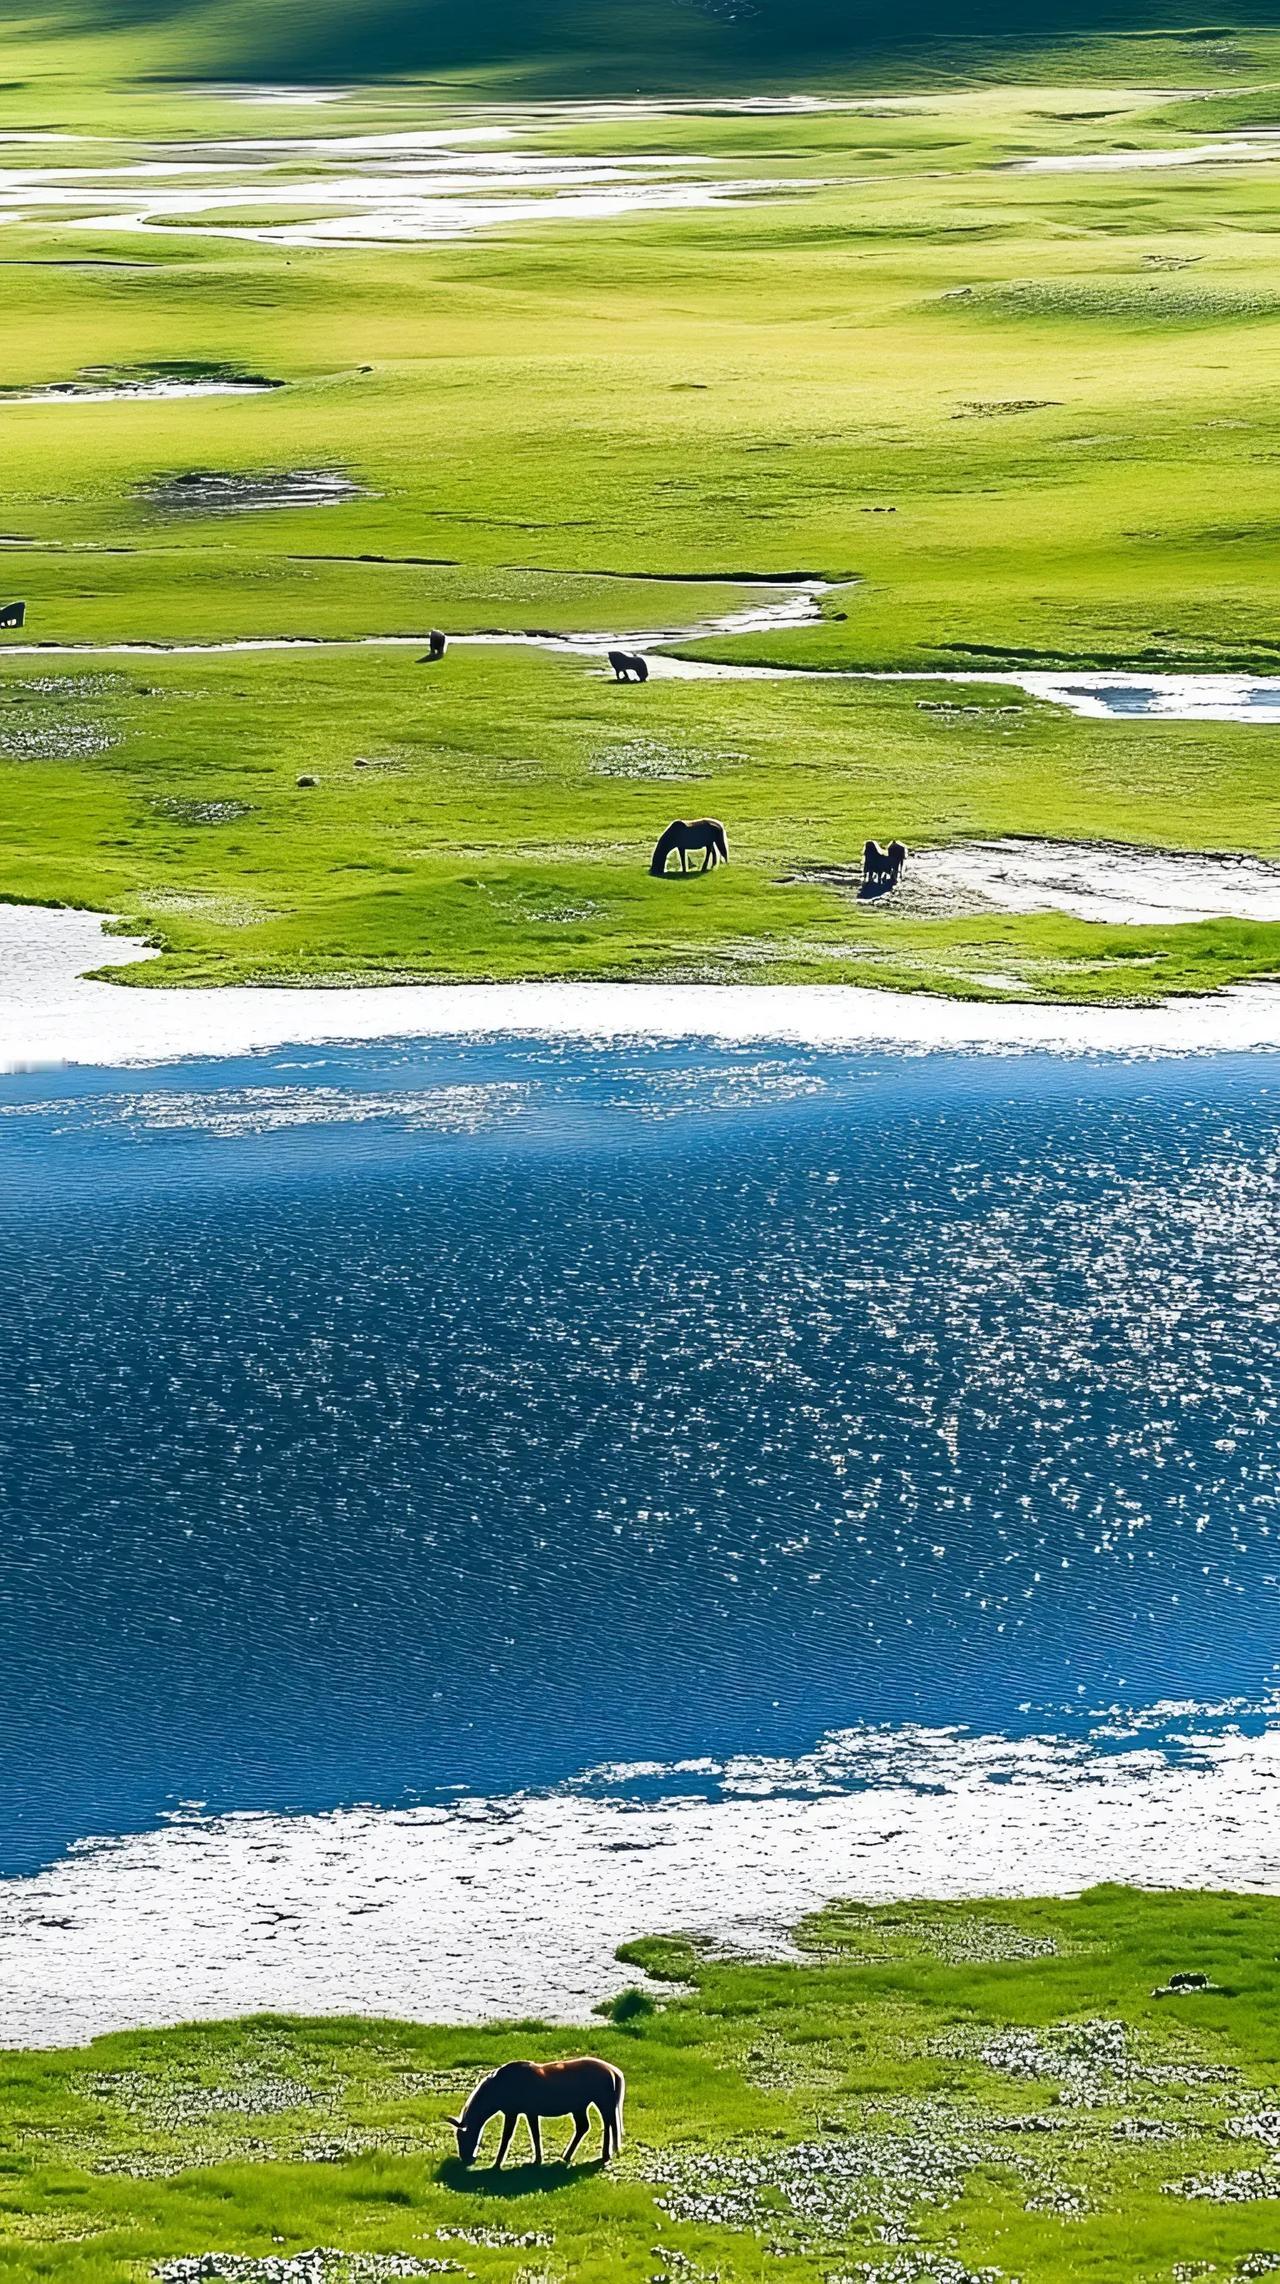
(706, 833)
(436, 644)
(881, 868)
(534, 2090)
(12, 614)
(625, 663)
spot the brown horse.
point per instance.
(534, 2090)
(705, 833)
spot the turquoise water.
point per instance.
(381, 1423)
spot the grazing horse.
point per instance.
(534, 2090)
(897, 855)
(13, 614)
(705, 833)
(436, 646)
(625, 663)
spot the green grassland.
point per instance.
(926, 2094)
(1063, 386)
(493, 817)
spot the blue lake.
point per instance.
(380, 1422)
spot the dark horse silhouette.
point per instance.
(706, 833)
(882, 868)
(436, 644)
(12, 614)
(534, 2090)
(625, 663)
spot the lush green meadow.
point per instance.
(932, 2094)
(493, 817)
(1013, 418)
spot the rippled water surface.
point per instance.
(375, 1423)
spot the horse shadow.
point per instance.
(874, 891)
(514, 2180)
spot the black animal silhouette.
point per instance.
(534, 2090)
(12, 614)
(436, 644)
(625, 663)
(882, 868)
(706, 833)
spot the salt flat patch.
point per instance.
(1101, 881)
(501, 1908)
(50, 1014)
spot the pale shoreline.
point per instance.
(499, 1909)
(52, 1017)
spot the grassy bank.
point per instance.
(494, 817)
(926, 2093)
(1017, 417)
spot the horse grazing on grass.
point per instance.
(534, 2090)
(436, 644)
(882, 868)
(705, 833)
(12, 614)
(625, 663)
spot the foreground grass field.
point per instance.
(1013, 417)
(930, 2094)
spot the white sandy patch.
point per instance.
(1235, 151)
(508, 1907)
(1104, 880)
(49, 1015)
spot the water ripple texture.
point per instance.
(394, 1425)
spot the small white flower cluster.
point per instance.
(498, 2239)
(825, 2186)
(323, 2264)
(921, 2268)
(1263, 2125)
(1066, 2203)
(56, 741)
(678, 2268)
(1228, 2188)
(1094, 2063)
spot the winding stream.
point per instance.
(1092, 694)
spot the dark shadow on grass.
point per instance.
(514, 2180)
